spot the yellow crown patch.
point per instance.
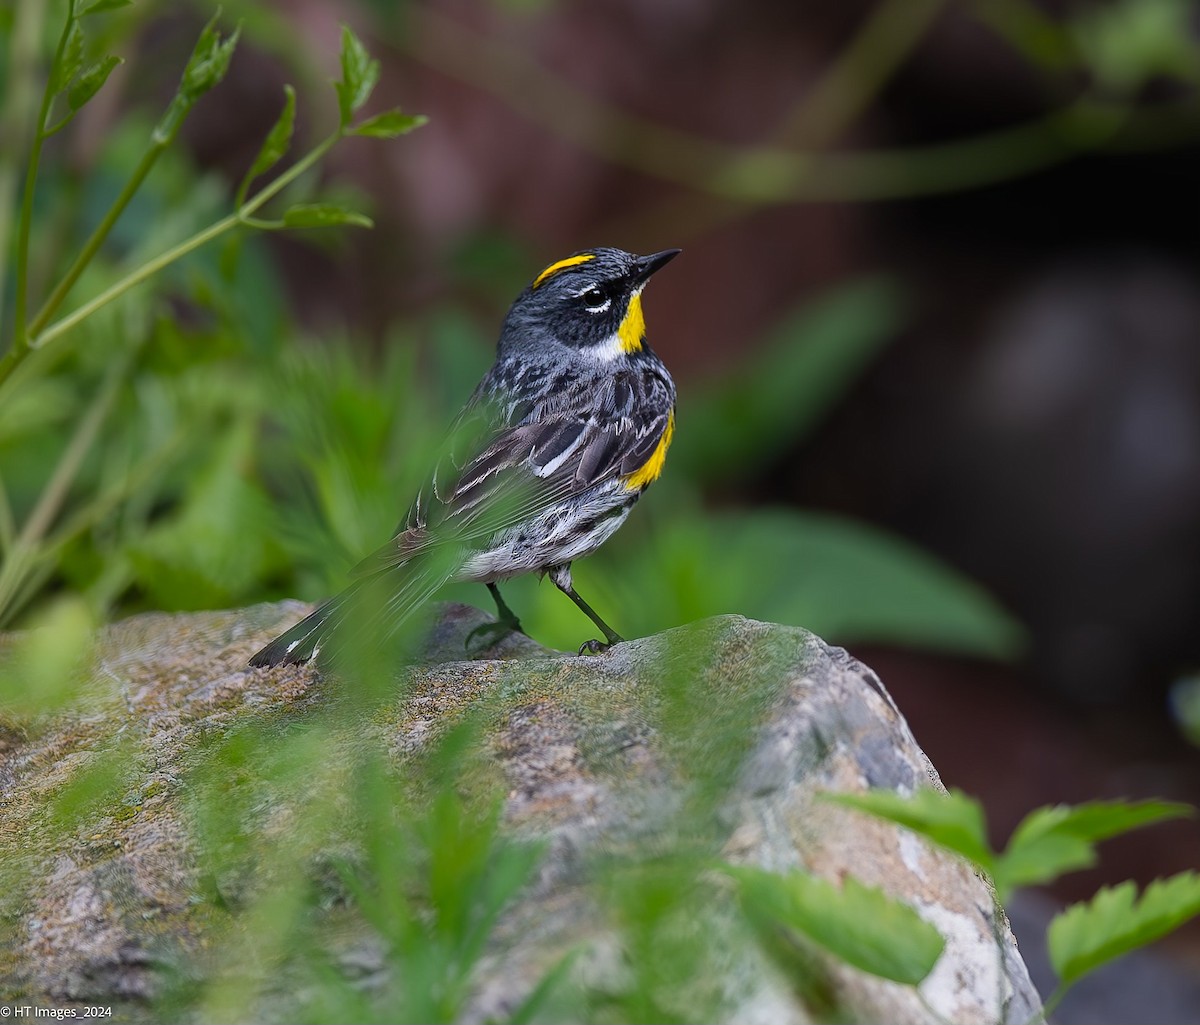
(554, 268)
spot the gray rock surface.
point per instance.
(590, 755)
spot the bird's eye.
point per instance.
(595, 299)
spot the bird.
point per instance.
(560, 439)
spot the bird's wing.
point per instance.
(511, 474)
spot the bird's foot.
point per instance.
(493, 633)
(594, 647)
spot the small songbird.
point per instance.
(561, 437)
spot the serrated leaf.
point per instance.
(388, 125)
(98, 6)
(323, 215)
(860, 924)
(359, 75)
(954, 821)
(1116, 921)
(91, 81)
(209, 61)
(1053, 840)
(71, 61)
(205, 68)
(276, 143)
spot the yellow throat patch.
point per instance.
(632, 331)
(653, 467)
(554, 268)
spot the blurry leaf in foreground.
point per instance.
(1046, 844)
(45, 669)
(860, 924)
(767, 401)
(1053, 840)
(1116, 921)
(954, 820)
(1131, 41)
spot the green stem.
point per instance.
(152, 267)
(24, 550)
(14, 120)
(96, 239)
(1052, 1002)
(24, 225)
(763, 174)
(40, 564)
(8, 526)
(115, 291)
(862, 69)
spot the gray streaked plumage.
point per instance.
(543, 464)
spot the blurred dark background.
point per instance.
(1022, 176)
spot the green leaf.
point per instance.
(388, 125)
(860, 924)
(218, 543)
(205, 68)
(765, 405)
(46, 668)
(91, 81)
(71, 61)
(1116, 921)
(276, 143)
(359, 75)
(323, 215)
(954, 821)
(1053, 840)
(209, 61)
(97, 6)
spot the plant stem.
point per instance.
(50, 501)
(861, 70)
(96, 239)
(14, 120)
(8, 528)
(24, 225)
(40, 565)
(9, 363)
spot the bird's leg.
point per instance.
(507, 616)
(507, 623)
(561, 575)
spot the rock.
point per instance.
(604, 760)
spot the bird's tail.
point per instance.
(370, 611)
(304, 640)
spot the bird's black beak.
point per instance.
(647, 265)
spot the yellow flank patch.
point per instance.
(554, 268)
(632, 331)
(653, 466)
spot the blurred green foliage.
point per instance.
(1047, 843)
(181, 444)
